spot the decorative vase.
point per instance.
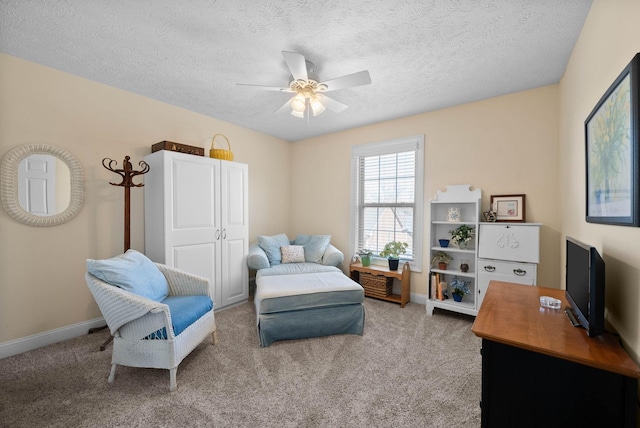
(393, 264)
(457, 297)
(442, 266)
(463, 245)
(366, 260)
(444, 243)
(464, 266)
(490, 216)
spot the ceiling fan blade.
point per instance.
(297, 65)
(331, 104)
(285, 106)
(266, 88)
(356, 79)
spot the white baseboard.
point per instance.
(24, 344)
(418, 298)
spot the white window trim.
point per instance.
(415, 142)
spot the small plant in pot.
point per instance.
(459, 289)
(392, 251)
(442, 259)
(462, 235)
(365, 257)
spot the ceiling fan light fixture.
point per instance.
(308, 90)
(298, 103)
(316, 105)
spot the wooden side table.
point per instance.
(404, 276)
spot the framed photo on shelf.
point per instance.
(508, 207)
(612, 134)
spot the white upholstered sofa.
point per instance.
(300, 291)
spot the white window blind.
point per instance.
(387, 196)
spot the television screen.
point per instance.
(585, 285)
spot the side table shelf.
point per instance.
(403, 275)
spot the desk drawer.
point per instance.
(499, 270)
(520, 273)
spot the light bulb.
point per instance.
(316, 105)
(298, 103)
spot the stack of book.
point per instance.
(438, 287)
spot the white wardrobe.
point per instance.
(196, 219)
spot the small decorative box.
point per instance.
(177, 147)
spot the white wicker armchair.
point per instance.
(132, 318)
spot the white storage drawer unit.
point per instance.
(507, 252)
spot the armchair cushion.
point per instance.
(314, 246)
(271, 246)
(184, 310)
(131, 271)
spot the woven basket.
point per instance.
(376, 285)
(221, 153)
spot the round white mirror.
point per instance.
(42, 185)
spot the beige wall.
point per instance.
(42, 283)
(608, 41)
(503, 145)
(530, 142)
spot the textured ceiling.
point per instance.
(422, 55)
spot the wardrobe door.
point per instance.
(182, 214)
(235, 232)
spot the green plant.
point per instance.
(441, 257)
(462, 234)
(393, 249)
(460, 287)
(365, 253)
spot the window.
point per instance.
(387, 196)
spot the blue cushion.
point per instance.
(314, 246)
(185, 310)
(271, 246)
(131, 271)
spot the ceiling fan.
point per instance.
(309, 90)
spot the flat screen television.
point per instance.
(585, 286)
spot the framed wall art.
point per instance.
(612, 132)
(508, 207)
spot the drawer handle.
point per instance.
(520, 272)
(489, 268)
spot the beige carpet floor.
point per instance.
(407, 370)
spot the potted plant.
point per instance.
(442, 259)
(392, 251)
(459, 289)
(365, 256)
(462, 235)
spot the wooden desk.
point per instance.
(403, 275)
(539, 370)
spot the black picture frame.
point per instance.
(612, 154)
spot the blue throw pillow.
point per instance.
(271, 246)
(132, 271)
(314, 246)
